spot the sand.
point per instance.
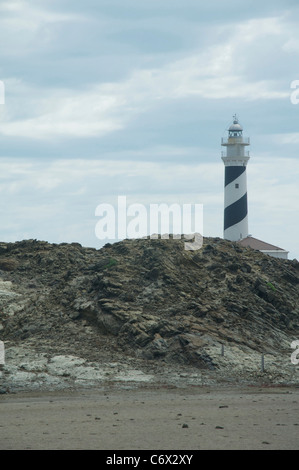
(194, 418)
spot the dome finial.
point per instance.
(235, 127)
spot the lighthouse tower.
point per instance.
(235, 186)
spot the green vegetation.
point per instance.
(112, 262)
(270, 285)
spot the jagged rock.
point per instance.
(147, 299)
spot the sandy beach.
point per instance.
(195, 418)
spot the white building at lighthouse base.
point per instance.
(264, 247)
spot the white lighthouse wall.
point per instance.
(236, 150)
(235, 190)
(238, 231)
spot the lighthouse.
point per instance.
(235, 183)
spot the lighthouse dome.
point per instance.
(235, 127)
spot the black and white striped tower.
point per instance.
(235, 185)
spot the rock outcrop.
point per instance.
(147, 304)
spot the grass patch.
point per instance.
(270, 285)
(112, 262)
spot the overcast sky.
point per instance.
(131, 97)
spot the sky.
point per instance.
(108, 98)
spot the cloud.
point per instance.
(56, 200)
(273, 185)
(287, 138)
(32, 35)
(141, 88)
(102, 108)
(225, 68)
(20, 17)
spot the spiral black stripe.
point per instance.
(232, 173)
(236, 212)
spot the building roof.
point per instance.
(256, 244)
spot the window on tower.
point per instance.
(237, 185)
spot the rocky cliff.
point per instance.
(149, 308)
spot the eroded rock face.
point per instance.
(147, 300)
